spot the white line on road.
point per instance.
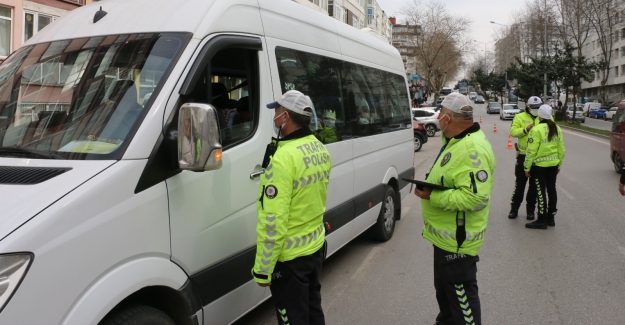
(585, 137)
(365, 262)
(571, 197)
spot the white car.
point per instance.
(609, 114)
(472, 95)
(508, 111)
(429, 118)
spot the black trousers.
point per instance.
(296, 290)
(544, 179)
(456, 288)
(519, 189)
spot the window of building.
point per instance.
(34, 22)
(623, 69)
(616, 71)
(616, 53)
(5, 30)
(350, 100)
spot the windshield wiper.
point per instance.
(28, 152)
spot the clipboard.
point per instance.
(422, 184)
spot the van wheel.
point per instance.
(385, 226)
(618, 163)
(138, 315)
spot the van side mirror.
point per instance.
(199, 148)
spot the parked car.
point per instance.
(420, 135)
(472, 95)
(579, 114)
(429, 118)
(479, 100)
(508, 111)
(493, 107)
(599, 112)
(588, 106)
(617, 138)
(609, 114)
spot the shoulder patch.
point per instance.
(271, 192)
(482, 176)
(446, 159)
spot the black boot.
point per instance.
(538, 224)
(550, 220)
(514, 212)
(530, 216)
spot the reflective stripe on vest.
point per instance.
(451, 234)
(301, 241)
(546, 158)
(311, 179)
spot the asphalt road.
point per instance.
(571, 274)
(598, 124)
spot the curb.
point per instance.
(584, 131)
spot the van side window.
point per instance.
(350, 100)
(233, 88)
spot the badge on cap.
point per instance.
(271, 192)
(446, 159)
(482, 176)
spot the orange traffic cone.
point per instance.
(480, 120)
(510, 146)
(495, 129)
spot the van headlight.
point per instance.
(12, 270)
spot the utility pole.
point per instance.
(545, 54)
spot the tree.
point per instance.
(440, 43)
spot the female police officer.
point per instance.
(545, 152)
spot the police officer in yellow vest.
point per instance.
(455, 219)
(292, 200)
(545, 152)
(520, 129)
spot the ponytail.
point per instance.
(553, 128)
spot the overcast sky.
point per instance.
(481, 12)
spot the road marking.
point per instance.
(585, 137)
(571, 197)
(365, 262)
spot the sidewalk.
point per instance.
(585, 129)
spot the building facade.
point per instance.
(615, 85)
(22, 19)
(351, 12)
(401, 35)
(378, 21)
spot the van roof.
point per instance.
(284, 20)
(126, 17)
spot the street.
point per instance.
(598, 124)
(571, 274)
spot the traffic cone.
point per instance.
(510, 146)
(495, 129)
(480, 120)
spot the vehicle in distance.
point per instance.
(508, 111)
(429, 118)
(472, 95)
(575, 113)
(597, 112)
(617, 138)
(479, 100)
(420, 135)
(601, 112)
(493, 107)
(609, 114)
(588, 106)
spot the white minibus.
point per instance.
(132, 135)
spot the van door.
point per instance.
(213, 213)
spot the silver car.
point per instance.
(427, 117)
(579, 114)
(508, 111)
(493, 107)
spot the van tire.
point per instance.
(618, 163)
(383, 229)
(138, 315)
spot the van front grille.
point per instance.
(28, 175)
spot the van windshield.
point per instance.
(82, 98)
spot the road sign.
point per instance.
(415, 77)
(463, 84)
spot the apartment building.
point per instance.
(401, 36)
(615, 85)
(21, 19)
(378, 21)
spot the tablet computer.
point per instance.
(422, 184)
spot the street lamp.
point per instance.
(484, 45)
